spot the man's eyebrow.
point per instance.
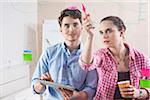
(75, 23)
(66, 24)
(70, 23)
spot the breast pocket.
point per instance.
(54, 68)
(78, 75)
(108, 66)
(107, 71)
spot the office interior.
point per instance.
(32, 25)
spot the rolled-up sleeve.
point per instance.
(96, 61)
(147, 66)
(91, 84)
(83, 65)
(41, 68)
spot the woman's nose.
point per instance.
(105, 35)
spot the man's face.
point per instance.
(71, 29)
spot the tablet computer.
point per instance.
(57, 85)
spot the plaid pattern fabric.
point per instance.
(106, 67)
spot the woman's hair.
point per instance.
(71, 12)
(116, 21)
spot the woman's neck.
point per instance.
(119, 51)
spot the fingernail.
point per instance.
(88, 14)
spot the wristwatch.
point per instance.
(140, 93)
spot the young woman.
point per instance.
(117, 62)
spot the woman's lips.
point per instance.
(106, 41)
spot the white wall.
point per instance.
(18, 29)
(133, 12)
(19, 20)
(18, 25)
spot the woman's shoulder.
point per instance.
(101, 51)
(138, 54)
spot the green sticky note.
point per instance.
(27, 56)
(145, 83)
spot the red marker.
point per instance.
(83, 8)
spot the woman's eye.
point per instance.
(108, 30)
(100, 32)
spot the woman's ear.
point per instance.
(122, 32)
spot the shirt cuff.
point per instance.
(90, 92)
(83, 65)
(148, 92)
(33, 89)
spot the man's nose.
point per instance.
(71, 28)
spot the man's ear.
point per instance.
(81, 27)
(60, 30)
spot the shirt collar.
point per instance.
(131, 52)
(74, 52)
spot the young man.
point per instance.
(59, 63)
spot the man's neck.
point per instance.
(72, 45)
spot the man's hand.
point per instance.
(67, 94)
(73, 95)
(79, 96)
(46, 77)
(38, 87)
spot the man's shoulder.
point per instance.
(54, 47)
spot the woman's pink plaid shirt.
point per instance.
(106, 67)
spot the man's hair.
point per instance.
(116, 21)
(74, 13)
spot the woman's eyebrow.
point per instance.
(108, 29)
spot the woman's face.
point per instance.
(111, 37)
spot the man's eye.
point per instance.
(75, 24)
(67, 26)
